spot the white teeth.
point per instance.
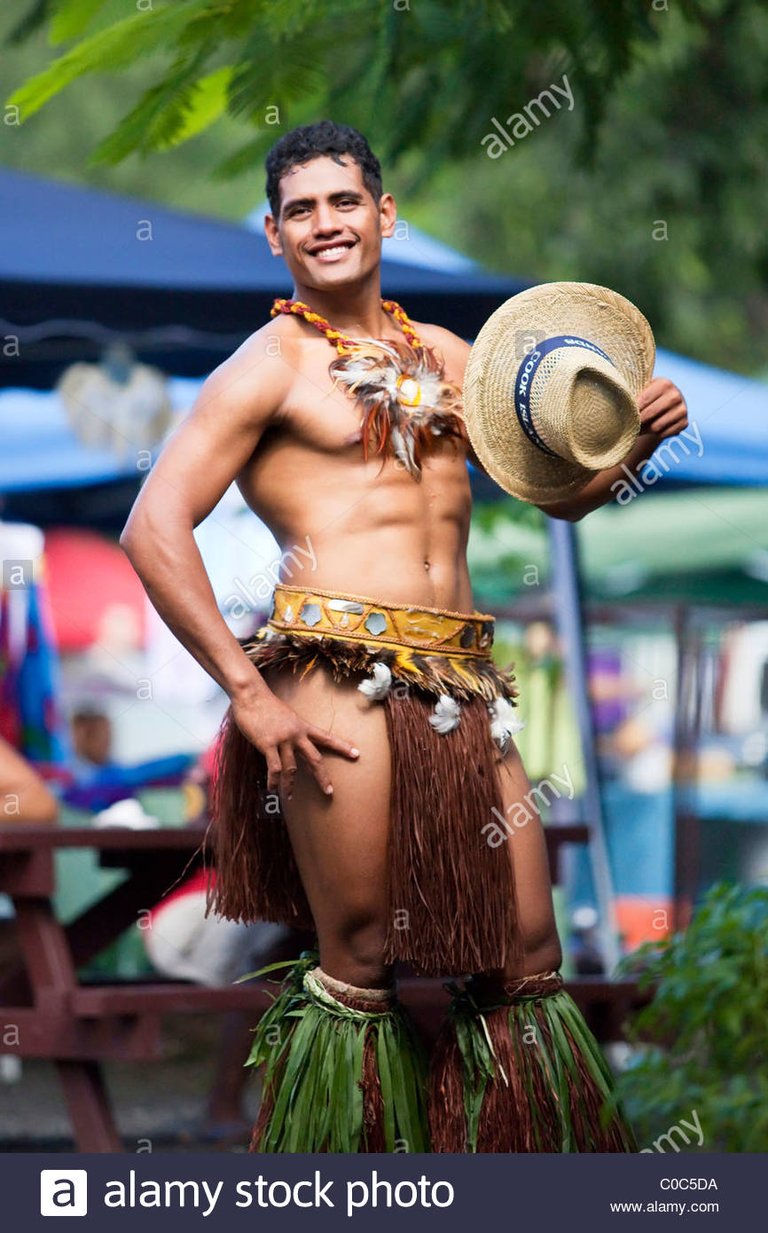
(332, 252)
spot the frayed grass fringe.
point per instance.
(526, 1076)
(451, 903)
(336, 1079)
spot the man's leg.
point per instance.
(542, 1083)
(339, 1030)
(526, 850)
(340, 842)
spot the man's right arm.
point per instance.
(197, 465)
(202, 458)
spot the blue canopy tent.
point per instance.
(183, 290)
(79, 274)
(40, 451)
(731, 414)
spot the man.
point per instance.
(382, 804)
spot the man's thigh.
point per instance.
(340, 842)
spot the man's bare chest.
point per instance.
(317, 414)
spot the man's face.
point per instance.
(329, 229)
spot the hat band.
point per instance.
(524, 383)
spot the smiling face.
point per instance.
(329, 229)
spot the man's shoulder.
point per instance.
(437, 335)
(265, 359)
(277, 338)
(453, 349)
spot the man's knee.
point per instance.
(545, 955)
(357, 950)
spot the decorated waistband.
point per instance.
(358, 618)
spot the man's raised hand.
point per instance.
(662, 408)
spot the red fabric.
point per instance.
(197, 884)
(87, 575)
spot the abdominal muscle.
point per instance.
(361, 528)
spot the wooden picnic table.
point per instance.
(79, 1024)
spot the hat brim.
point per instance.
(586, 310)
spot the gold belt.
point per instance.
(358, 618)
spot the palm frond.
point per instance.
(113, 49)
(313, 1051)
(426, 79)
(271, 75)
(154, 122)
(72, 18)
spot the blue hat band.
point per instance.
(526, 374)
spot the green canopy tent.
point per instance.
(688, 546)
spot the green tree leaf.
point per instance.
(72, 17)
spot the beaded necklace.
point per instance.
(400, 387)
(339, 340)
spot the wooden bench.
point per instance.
(47, 1011)
(80, 1024)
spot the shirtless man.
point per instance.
(270, 419)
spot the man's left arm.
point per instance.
(663, 413)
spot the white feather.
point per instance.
(402, 448)
(505, 722)
(378, 684)
(446, 714)
(431, 389)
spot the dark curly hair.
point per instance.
(311, 141)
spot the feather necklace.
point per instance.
(401, 387)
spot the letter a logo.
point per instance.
(63, 1192)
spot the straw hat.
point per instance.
(550, 391)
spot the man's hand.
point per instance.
(280, 734)
(662, 409)
(663, 413)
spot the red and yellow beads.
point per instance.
(339, 340)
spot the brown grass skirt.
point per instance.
(451, 902)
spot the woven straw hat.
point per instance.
(550, 391)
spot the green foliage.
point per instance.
(507, 542)
(72, 17)
(443, 69)
(653, 184)
(671, 210)
(704, 1034)
(112, 49)
(565, 1061)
